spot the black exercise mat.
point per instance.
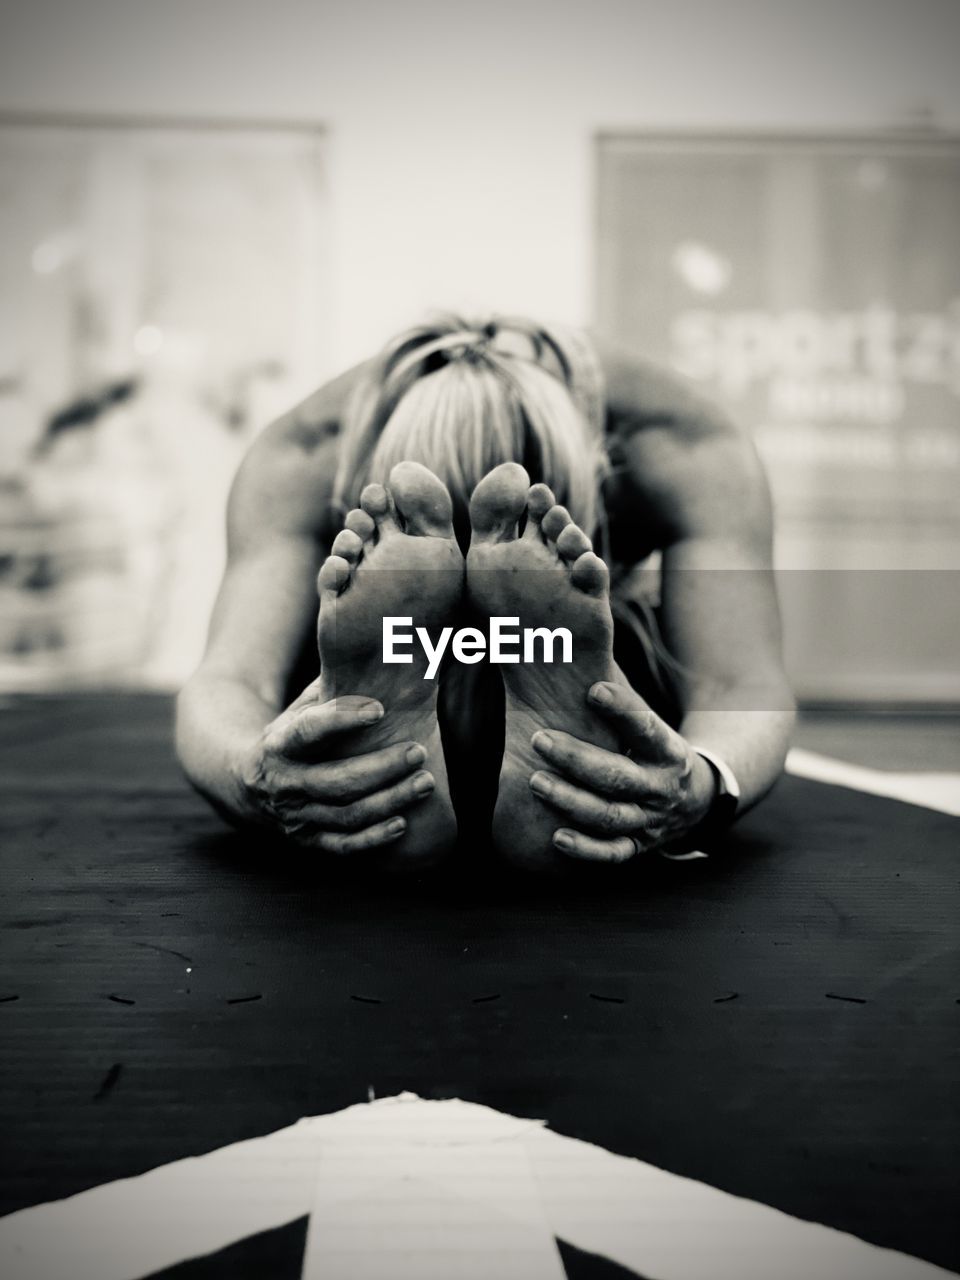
(780, 1021)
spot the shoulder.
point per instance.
(641, 393)
(680, 455)
(285, 482)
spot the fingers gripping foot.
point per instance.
(547, 577)
(527, 559)
(396, 555)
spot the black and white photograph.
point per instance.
(479, 639)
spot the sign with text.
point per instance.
(812, 286)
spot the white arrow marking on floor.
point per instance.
(940, 791)
(408, 1188)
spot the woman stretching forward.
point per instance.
(473, 472)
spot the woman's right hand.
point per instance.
(294, 781)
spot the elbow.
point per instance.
(786, 721)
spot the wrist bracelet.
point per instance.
(722, 811)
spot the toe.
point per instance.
(498, 502)
(333, 577)
(422, 500)
(360, 523)
(349, 545)
(589, 574)
(375, 501)
(571, 544)
(540, 499)
(554, 522)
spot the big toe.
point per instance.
(422, 499)
(498, 502)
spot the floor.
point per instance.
(775, 1026)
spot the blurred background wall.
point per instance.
(436, 154)
(161, 297)
(811, 284)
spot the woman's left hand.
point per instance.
(614, 806)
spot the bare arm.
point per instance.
(699, 478)
(721, 621)
(691, 484)
(253, 757)
(262, 617)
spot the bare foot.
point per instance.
(548, 576)
(396, 556)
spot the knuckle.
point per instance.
(351, 816)
(295, 826)
(643, 837)
(272, 802)
(273, 738)
(386, 775)
(662, 792)
(333, 842)
(648, 720)
(253, 773)
(611, 816)
(611, 779)
(282, 789)
(338, 773)
(351, 780)
(357, 841)
(294, 733)
(655, 832)
(649, 834)
(646, 825)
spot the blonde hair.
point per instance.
(462, 398)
